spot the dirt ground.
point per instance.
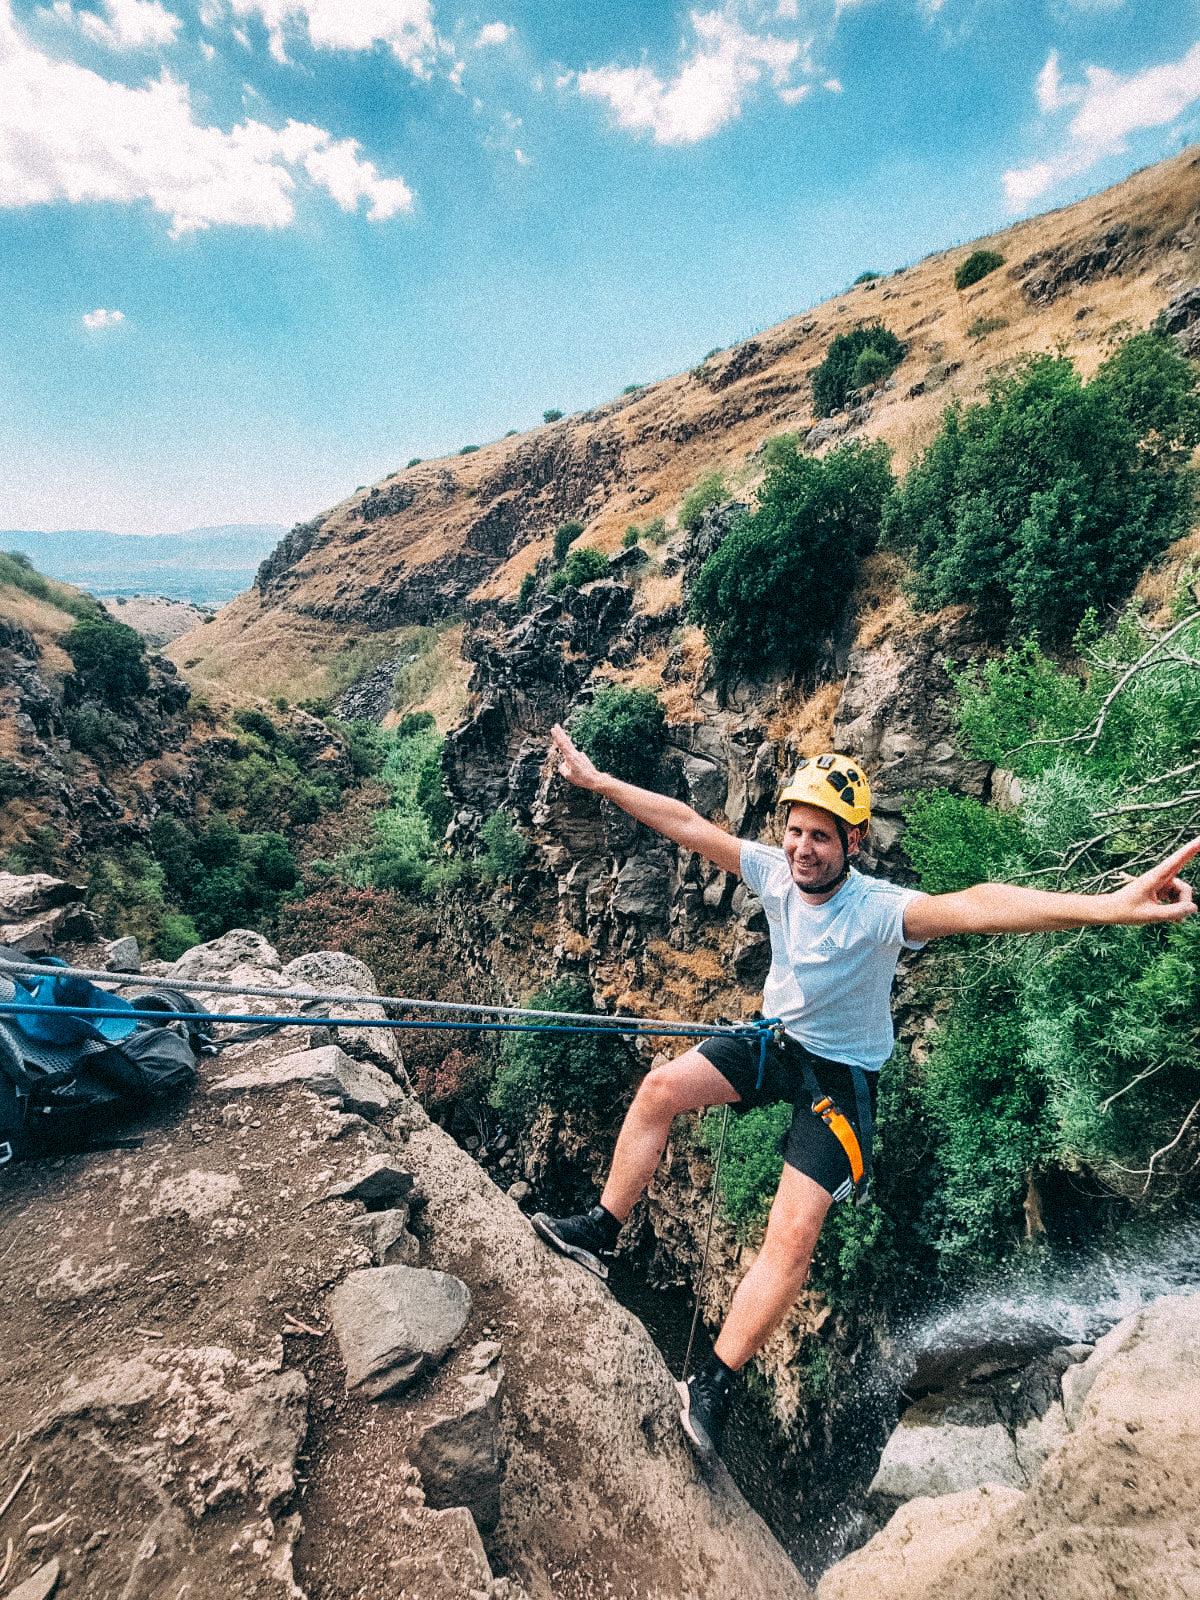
(174, 1404)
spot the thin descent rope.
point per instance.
(198, 1018)
(596, 1022)
(707, 1241)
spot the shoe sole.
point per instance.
(585, 1258)
(705, 1449)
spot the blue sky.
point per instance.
(256, 252)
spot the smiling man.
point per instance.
(836, 937)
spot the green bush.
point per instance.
(835, 376)
(1051, 497)
(655, 531)
(552, 415)
(977, 265)
(630, 536)
(416, 722)
(982, 326)
(109, 658)
(868, 276)
(556, 582)
(526, 592)
(954, 842)
(871, 368)
(506, 846)
(577, 1072)
(176, 934)
(779, 449)
(413, 461)
(94, 728)
(624, 732)
(710, 491)
(257, 723)
(776, 587)
(585, 566)
(468, 450)
(564, 537)
(751, 1165)
(633, 388)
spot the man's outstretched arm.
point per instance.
(666, 816)
(1159, 895)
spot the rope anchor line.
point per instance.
(590, 1021)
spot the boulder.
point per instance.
(641, 886)
(334, 972)
(942, 1446)
(917, 1545)
(122, 955)
(23, 894)
(706, 784)
(380, 1178)
(458, 1453)
(328, 1071)
(393, 1324)
(218, 959)
(386, 1236)
(40, 1586)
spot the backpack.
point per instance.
(67, 1075)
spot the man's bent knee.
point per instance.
(685, 1084)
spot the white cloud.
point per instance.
(725, 64)
(131, 25)
(833, 85)
(1110, 108)
(100, 318)
(787, 9)
(405, 26)
(522, 159)
(493, 33)
(68, 134)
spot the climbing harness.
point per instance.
(856, 1145)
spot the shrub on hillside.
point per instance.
(257, 723)
(578, 1072)
(585, 566)
(506, 848)
(710, 491)
(553, 415)
(630, 537)
(526, 592)
(1051, 497)
(623, 731)
(564, 537)
(835, 377)
(977, 265)
(109, 658)
(776, 587)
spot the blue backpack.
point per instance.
(67, 1074)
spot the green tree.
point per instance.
(577, 1072)
(977, 265)
(506, 847)
(834, 378)
(623, 731)
(564, 537)
(710, 491)
(777, 585)
(109, 658)
(1051, 497)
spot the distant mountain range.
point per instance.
(207, 566)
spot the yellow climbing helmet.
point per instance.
(835, 783)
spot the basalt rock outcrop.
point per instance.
(193, 1406)
(1111, 1511)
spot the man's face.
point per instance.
(813, 846)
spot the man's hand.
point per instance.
(1159, 895)
(574, 766)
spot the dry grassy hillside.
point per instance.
(428, 541)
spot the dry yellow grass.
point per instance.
(670, 434)
(660, 594)
(45, 622)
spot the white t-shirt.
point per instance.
(832, 965)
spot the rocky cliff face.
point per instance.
(90, 800)
(314, 1351)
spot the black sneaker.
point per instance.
(581, 1237)
(705, 1404)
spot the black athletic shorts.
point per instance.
(810, 1146)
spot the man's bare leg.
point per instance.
(762, 1301)
(685, 1084)
(769, 1289)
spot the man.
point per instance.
(836, 937)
